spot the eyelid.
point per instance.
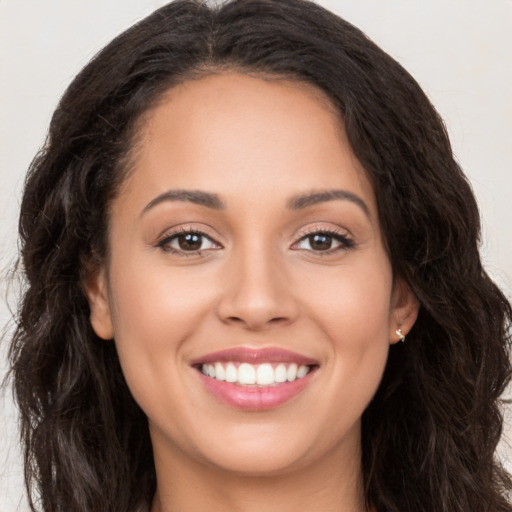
(341, 235)
(323, 229)
(169, 235)
(188, 227)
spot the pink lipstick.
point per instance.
(255, 380)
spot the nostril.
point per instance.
(234, 319)
(273, 321)
(278, 320)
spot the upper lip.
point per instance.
(255, 356)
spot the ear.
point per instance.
(404, 310)
(96, 290)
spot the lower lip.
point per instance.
(255, 398)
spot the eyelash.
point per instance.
(345, 242)
(164, 243)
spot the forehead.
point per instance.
(236, 134)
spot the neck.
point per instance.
(330, 486)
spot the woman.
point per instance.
(239, 216)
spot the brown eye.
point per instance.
(324, 242)
(320, 242)
(187, 242)
(190, 241)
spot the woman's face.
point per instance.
(245, 244)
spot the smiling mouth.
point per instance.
(255, 380)
(247, 374)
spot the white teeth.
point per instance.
(247, 374)
(220, 373)
(302, 371)
(280, 373)
(264, 375)
(291, 374)
(231, 373)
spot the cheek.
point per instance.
(353, 310)
(358, 330)
(352, 302)
(157, 301)
(359, 340)
(154, 312)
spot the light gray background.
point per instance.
(460, 51)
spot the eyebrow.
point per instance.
(191, 196)
(298, 202)
(311, 198)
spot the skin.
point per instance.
(256, 282)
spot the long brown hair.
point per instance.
(430, 433)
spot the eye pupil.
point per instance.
(320, 242)
(190, 242)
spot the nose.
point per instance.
(256, 293)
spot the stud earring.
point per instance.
(401, 336)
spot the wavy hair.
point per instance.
(430, 433)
